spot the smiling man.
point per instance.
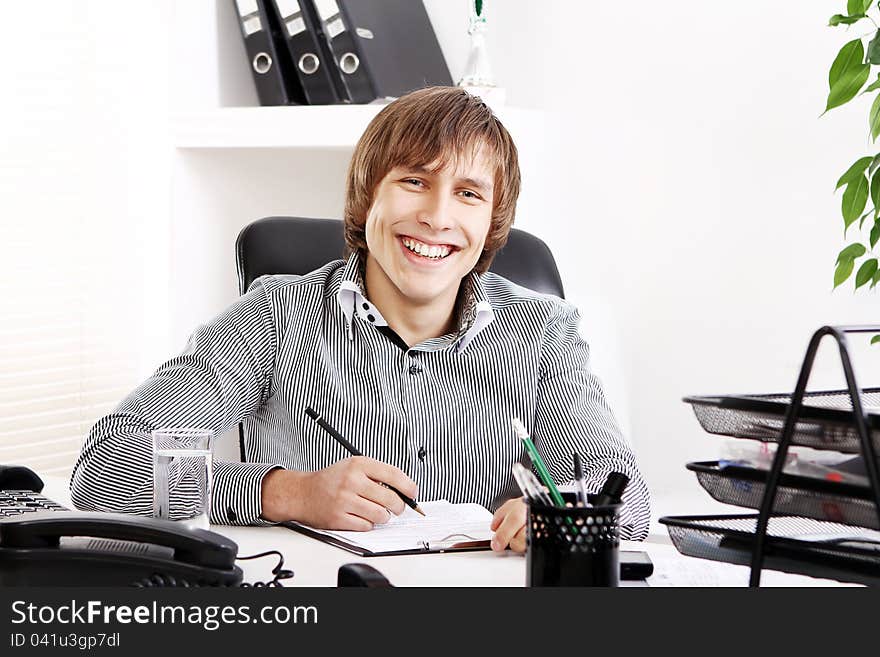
(410, 348)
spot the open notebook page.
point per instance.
(443, 522)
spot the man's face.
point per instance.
(426, 229)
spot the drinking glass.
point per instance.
(182, 473)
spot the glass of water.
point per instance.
(182, 471)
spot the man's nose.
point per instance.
(437, 212)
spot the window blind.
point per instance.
(76, 183)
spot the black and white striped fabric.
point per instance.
(440, 411)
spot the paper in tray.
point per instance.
(824, 422)
(843, 503)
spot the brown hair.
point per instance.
(434, 123)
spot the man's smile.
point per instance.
(424, 251)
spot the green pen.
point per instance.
(538, 462)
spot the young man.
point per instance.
(409, 348)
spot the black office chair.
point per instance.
(296, 245)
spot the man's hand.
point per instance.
(347, 495)
(509, 525)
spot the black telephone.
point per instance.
(51, 548)
(43, 544)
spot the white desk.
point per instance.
(316, 564)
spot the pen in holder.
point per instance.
(573, 546)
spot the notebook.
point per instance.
(444, 527)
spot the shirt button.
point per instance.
(366, 306)
(415, 369)
(371, 318)
(422, 453)
(231, 515)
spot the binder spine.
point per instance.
(350, 70)
(264, 59)
(310, 65)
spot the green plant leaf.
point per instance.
(873, 86)
(863, 217)
(876, 338)
(840, 19)
(853, 251)
(851, 55)
(875, 192)
(857, 6)
(874, 164)
(866, 272)
(875, 234)
(847, 86)
(858, 168)
(873, 53)
(844, 269)
(874, 118)
(875, 279)
(855, 197)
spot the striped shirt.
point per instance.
(440, 410)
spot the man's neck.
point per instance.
(413, 322)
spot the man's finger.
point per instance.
(503, 511)
(508, 528)
(375, 514)
(383, 496)
(498, 518)
(354, 523)
(388, 474)
(518, 542)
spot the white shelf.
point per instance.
(305, 127)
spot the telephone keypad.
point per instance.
(17, 502)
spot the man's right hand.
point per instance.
(347, 495)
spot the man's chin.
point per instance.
(422, 295)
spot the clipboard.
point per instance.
(446, 527)
(454, 543)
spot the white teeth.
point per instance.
(425, 250)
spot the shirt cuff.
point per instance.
(236, 493)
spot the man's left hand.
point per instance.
(509, 525)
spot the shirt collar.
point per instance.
(475, 312)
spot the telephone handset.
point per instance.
(110, 549)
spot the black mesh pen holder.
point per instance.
(574, 546)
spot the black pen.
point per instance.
(612, 489)
(354, 451)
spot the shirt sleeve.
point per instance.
(572, 415)
(223, 375)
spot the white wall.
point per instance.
(696, 195)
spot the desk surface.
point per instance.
(316, 563)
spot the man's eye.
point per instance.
(469, 194)
(414, 181)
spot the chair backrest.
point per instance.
(297, 245)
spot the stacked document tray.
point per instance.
(821, 499)
(825, 420)
(820, 526)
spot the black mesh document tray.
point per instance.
(839, 502)
(825, 420)
(794, 545)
